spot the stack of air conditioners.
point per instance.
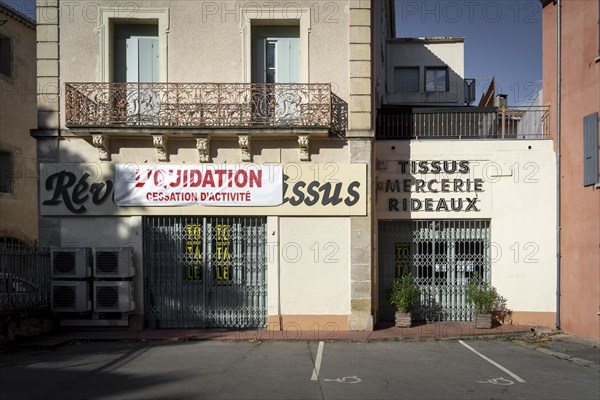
(71, 269)
(113, 287)
(92, 279)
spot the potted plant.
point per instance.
(483, 297)
(404, 295)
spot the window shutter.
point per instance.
(590, 149)
(5, 55)
(6, 172)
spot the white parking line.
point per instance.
(494, 363)
(315, 374)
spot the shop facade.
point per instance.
(219, 266)
(485, 208)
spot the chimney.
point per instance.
(501, 101)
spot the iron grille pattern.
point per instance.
(24, 276)
(205, 272)
(442, 257)
(227, 105)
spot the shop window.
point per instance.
(6, 172)
(406, 79)
(442, 256)
(434, 257)
(5, 55)
(469, 258)
(436, 79)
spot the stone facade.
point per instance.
(18, 204)
(207, 42)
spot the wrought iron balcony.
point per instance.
(464, 122)
(203, 105)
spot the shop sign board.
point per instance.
(292, 189)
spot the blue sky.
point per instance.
(27, 7)
(502, 37)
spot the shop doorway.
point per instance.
(205, 272)
(442, 257)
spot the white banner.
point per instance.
(204, 185)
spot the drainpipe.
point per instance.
(558, 165)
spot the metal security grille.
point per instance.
(442, 257)
(24, 276)
(205, 272)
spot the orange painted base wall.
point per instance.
(329, 323)
(532, 318)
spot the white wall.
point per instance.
(314, 266)
(518, 197)
(416, 53)
(18, 209)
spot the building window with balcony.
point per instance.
(6, 172)
(436, 79)
(5, 55)
(136, 53)
(406, 79)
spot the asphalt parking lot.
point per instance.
(308, 370)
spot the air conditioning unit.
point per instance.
(115, 296)
(70, 296)
(70, 262)
(113, 262)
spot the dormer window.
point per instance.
(436, 79)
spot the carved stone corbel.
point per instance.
(203, 146)
(304, 142)
(160, 142)
(100, 142)
(245, 142)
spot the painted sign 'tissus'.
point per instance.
(275, 189)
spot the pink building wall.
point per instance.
(580, 206)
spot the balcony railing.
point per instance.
(201, 105)
(464, 122)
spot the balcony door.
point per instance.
(136, 67)
(276, 62)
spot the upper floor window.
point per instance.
(136, 53)
(406, 79)
(436, 79)
(6, 172)
(5, 55)
(276, 54)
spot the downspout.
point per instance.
(558, 165)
